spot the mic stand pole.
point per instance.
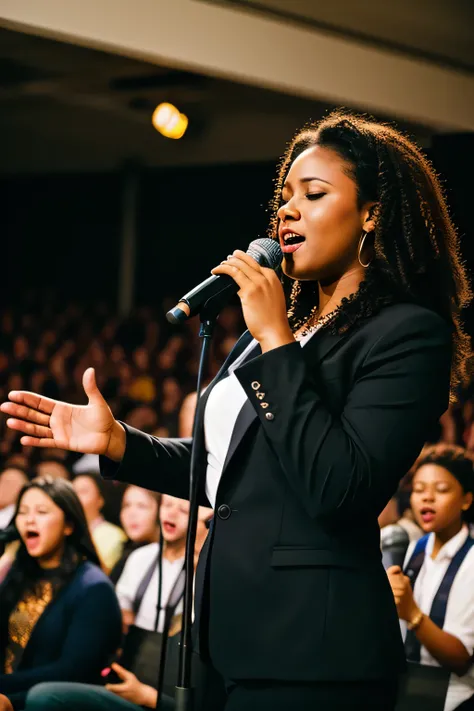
(183, 691)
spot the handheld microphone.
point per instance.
(394, 543)
(7, 535)
(221, 287)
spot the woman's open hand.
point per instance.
(87, 428)
(262, 297)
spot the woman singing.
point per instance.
(320, 409)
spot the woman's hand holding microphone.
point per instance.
(91, 428)
(262, 297)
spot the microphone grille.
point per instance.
(266, 252)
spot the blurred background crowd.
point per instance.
(106, 222)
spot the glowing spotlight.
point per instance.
(169, 121)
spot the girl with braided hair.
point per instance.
(302, 437)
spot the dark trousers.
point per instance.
(321, 696)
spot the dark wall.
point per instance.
(64, 231)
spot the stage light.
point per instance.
(169, 121)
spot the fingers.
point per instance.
(240, 278)
(35, 442)
(115, 688)
(394, 570)
(37, 435)
(29, 428)
(30, 401)
(24, 413)
(123, 673)
(90, 387)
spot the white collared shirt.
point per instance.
(127, 586)
(459, 619)
(222, 409)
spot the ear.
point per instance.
(369, 216)
(68, 529)
(468, 498)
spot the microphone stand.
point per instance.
(183, 691)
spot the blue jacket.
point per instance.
(73, 639)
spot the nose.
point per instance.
(288, 211)
(428, 495)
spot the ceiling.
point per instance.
(70, 108)
(440, 31)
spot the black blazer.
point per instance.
(290, 583)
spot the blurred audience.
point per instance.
(12, 480)
(108, 538)
(59, 616)
(139, 516)
(145, 367)
(54, 467)
(136, 681)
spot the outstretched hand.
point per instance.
(44, 422)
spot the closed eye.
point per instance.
(314, 196)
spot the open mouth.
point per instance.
(31, 540)
(427, 514)
(168, 527)
(291, 241)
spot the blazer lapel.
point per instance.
(198, 430)
(316, 349)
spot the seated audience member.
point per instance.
(174, 523)
(12, 480)
(440, 608)
(59, 615)
(128, 693)
(108, 538)
(53, 467)
(139, 516)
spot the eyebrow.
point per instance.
(309, 180)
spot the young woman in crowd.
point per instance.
(439, 609)
(302, 438)
(108, 538)
(139, 516)
(130, 692)
(59, 615)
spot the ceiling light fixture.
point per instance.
(169, 121)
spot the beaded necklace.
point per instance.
(314, 324)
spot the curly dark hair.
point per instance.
(457, 461)
(26, 572)
(417, 256)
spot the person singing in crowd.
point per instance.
(59, 616)
(438, 602)
(320, 409)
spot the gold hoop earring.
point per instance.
(361, 246)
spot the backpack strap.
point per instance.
(440, 600)
(144, 583)
(413, 567)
